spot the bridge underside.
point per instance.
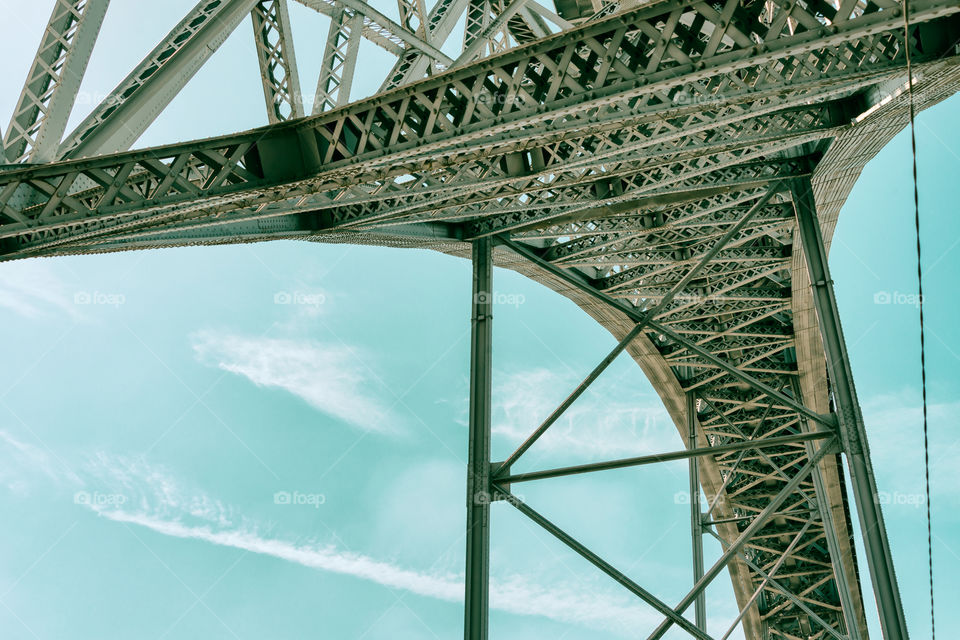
(650, 165)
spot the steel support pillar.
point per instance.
(476, 600)
(696, 527)
(852, 431)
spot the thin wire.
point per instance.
(923, 361)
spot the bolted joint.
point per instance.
(495, 473)
(849, 433)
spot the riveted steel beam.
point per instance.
(478, 460)
(277, 60)
(117, 122)
(687, 454)
(853, 432)
(48, 95)
(696, 517)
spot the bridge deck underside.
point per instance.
(623, 173)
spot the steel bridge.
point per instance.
(675, 167)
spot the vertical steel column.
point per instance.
(852, 431)
(476, 601)
(696, 526)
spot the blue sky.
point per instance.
(269, 440)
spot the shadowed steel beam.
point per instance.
(473, 48)
(755, 525)
(476, 601)
(776, 567)
(53, 81)
(745, 377)
(789, 594)
(380, 29)
(736, 465)
(852, 430)
(723, 241)
(581, 282)
(696, 526)
(716, 247)
(206, 231)
(684, 454)
(603, 565)
(441, 21)
(736, 429)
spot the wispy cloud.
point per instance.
(21, 459)
(132, 491)
(519, 595)
(330, 378)
(32, 290)
(630, 424)
(157, 502)
(582, 606)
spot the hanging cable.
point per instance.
(923, 362)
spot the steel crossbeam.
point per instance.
(465, 106)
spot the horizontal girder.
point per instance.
(507, 94)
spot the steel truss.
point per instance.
(674, 167)
(786, 448)
(278, 62)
